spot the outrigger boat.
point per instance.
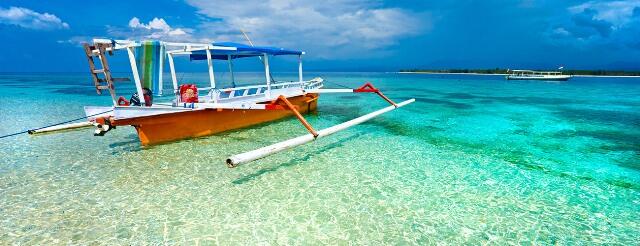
(536, 75)
(196, 112)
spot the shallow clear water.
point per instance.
(476, 159)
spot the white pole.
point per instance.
(300, 68)
(210, 64)
(161, 69)
(233, 79)
(329, 91)
(173, 74)
(136, 75)
(266, 73)
(281, 146)
(62, 127)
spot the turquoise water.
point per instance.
(475, 160)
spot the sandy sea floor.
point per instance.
(475, 160)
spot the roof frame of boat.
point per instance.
(108, 117)
(210, 52)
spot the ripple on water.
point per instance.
(471, 162)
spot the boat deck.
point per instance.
(246, 97)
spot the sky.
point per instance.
(338, 35)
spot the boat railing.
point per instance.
(533, 73)
(314, 84)
(245, 92)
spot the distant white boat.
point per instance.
(536, 75)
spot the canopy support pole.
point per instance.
(233, 79)
(173, 74)
(136, 75)
(267, 74)
(300, 68)
(161, 70)
(212, 79)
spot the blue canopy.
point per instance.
(243, 50)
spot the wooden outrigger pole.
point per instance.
(235, 160)
(238, 159)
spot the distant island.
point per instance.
(502, 71)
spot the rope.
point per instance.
(68, 121)
(343, 86)
(259, 57)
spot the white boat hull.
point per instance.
(540, 77)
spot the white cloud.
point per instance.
(75, 40)
(561, 31)
(154, 29)
(158, 25)
(30, 19)
(324, 28)
(617, 13)
(600, 24)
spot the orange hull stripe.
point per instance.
(171, 127)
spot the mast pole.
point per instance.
(267, 73)
(136, 75)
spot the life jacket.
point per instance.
(188, 93)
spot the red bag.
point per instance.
(189, 93)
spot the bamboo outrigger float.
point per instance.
(196, 112)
